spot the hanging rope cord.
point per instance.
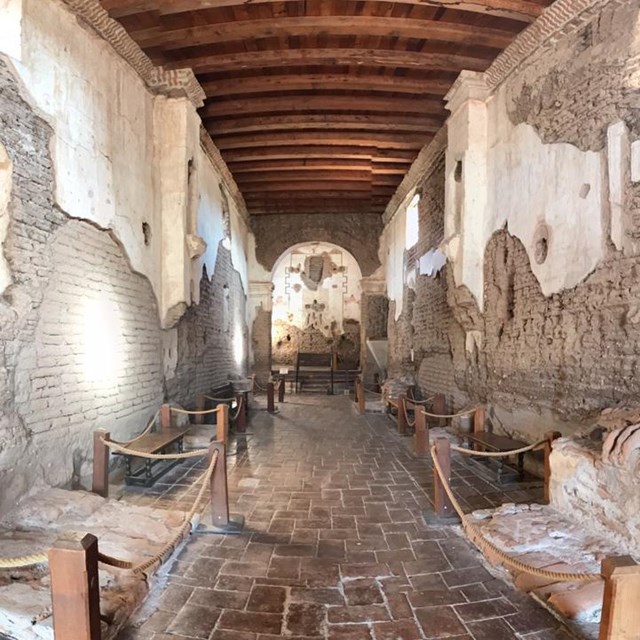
(412, 423)
(476, 536)
(465, 412)
(22, 562)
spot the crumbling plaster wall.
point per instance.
(81, 341)
(543, 331)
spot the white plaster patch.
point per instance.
(618, 153)
(635, 161)
(170, 352)
(5, 197)
(11, 28)
(432, 262)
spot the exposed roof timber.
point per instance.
(325, 81)
(350, 103)
(202, 62)
(380, 26)
(313, 165)
(343, 122)
(320, 151)
(329, 174)
(516, 9)
(367, 139)
(312, 186)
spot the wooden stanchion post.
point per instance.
(362, 398)
(218, 487)
(100, 481)
(620, 610)
(442, 505)
(201, 405)
(75, 589)
(479, 417)
(549, 436)
(281, 390)
(271, 407)
(421, 438)
(222, 423)
(241, 419)
(439, 408)
(402, 414)
(165, 417)
(355, 389)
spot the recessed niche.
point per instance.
(541, 244)
(584, 190)
(457, 172)
(146, 233)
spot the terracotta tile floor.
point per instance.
(335, 545)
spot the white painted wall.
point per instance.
(120, 152)
(102, 117)
(391, 254)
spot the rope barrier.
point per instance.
(238, 409)
(197, 453)
(476, 536)
(194, 413)
(377, 393)
(219, 399)
(22, 562)
(144, 433)
(498, 454)
(143, 566)
(255, 382)
(426, 401)
(406, 415)
(452, 415)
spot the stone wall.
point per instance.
(81, 341)
(212, 340)
(536, 311)
(356, 233)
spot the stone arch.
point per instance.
(316, 303)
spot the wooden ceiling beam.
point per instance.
(332, 138)
(320, 151)
(317, 174)
(520, 10)
(352, 104)
(343, 122)
(337, 25)
(325, 81)
(311, 186)
(426, 60)
(307, 166)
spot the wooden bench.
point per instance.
(155, 442)
(488, 441)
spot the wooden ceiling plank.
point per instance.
(310, 82)
(203, 63)
(379, 140)
(342, 122)
(351, 104)
(241, 30)
(515, 9)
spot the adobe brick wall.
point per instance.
(208, 334)
(358, 234)
(81, 346)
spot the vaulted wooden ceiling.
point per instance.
(322, 105)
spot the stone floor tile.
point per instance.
(440, 622)
(318, 596)
(484, 609)
(250, 621)
(494, 629)
(218, 599)
(305, 619)
(362, 591)
(174, 597)
(349, 632)
(367, 613)
(266, 599)
(396, 630)
(194, 621)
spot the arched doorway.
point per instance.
(316, 304)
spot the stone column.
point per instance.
(260, 300)
(373, 325)
(466, 180)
